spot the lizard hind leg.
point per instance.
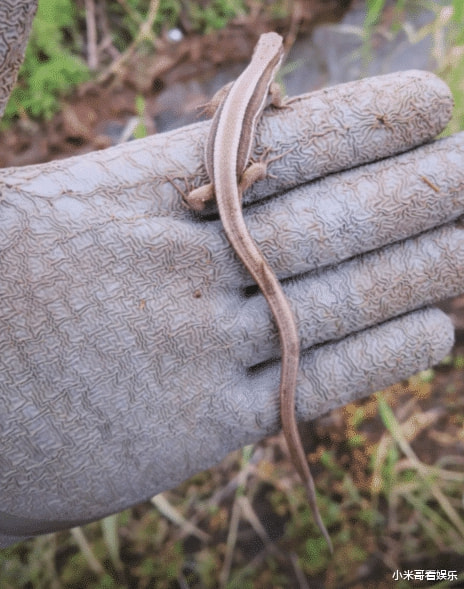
(257, 170)
(195, 199)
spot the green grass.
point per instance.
(52, 66)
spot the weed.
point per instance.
(51, 66)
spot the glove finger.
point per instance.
(347, 370)
(335, 129)
(351, 124)
(332, 129)
(360, 210)
(357, 294)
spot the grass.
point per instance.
(52, 66)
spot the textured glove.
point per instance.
(134, 350)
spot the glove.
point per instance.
(134, 349)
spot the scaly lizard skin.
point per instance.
(227, 155)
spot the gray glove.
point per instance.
(130, 357)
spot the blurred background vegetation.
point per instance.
(56, 61)
(391, 480)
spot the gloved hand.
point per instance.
(134, 350)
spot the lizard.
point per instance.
(227, 155)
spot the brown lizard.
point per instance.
(227, 156)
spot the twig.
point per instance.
(231, 542)
(131, 12)
(302, 581)
(144, 34)
(86, 550)
(91, 34)
(106, 43)
(170, 513)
